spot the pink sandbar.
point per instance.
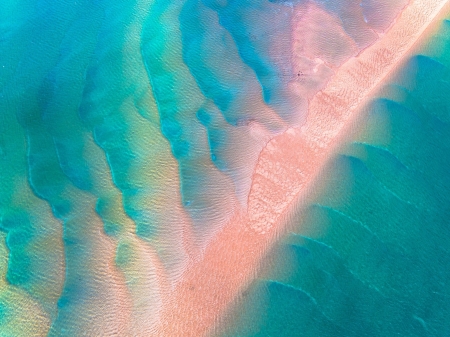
(286, 169)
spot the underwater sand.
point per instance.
(282, 177)
(171, 168)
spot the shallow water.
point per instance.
(129, 132)
(370, 255)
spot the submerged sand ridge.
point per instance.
(287, 168)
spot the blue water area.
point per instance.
(43, 152)
(179, 101)
(261, 31)
(20, 234)
(370, 256)
(45, 164)
(91, 94)
(255, 25)
(200, 45)
(94, 95)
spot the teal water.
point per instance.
(255, 26)
(370, 255)
(118, 120)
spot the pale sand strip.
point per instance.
(286, 168)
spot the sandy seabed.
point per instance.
(286, 172)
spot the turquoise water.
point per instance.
(370, 255)
(118, 120)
